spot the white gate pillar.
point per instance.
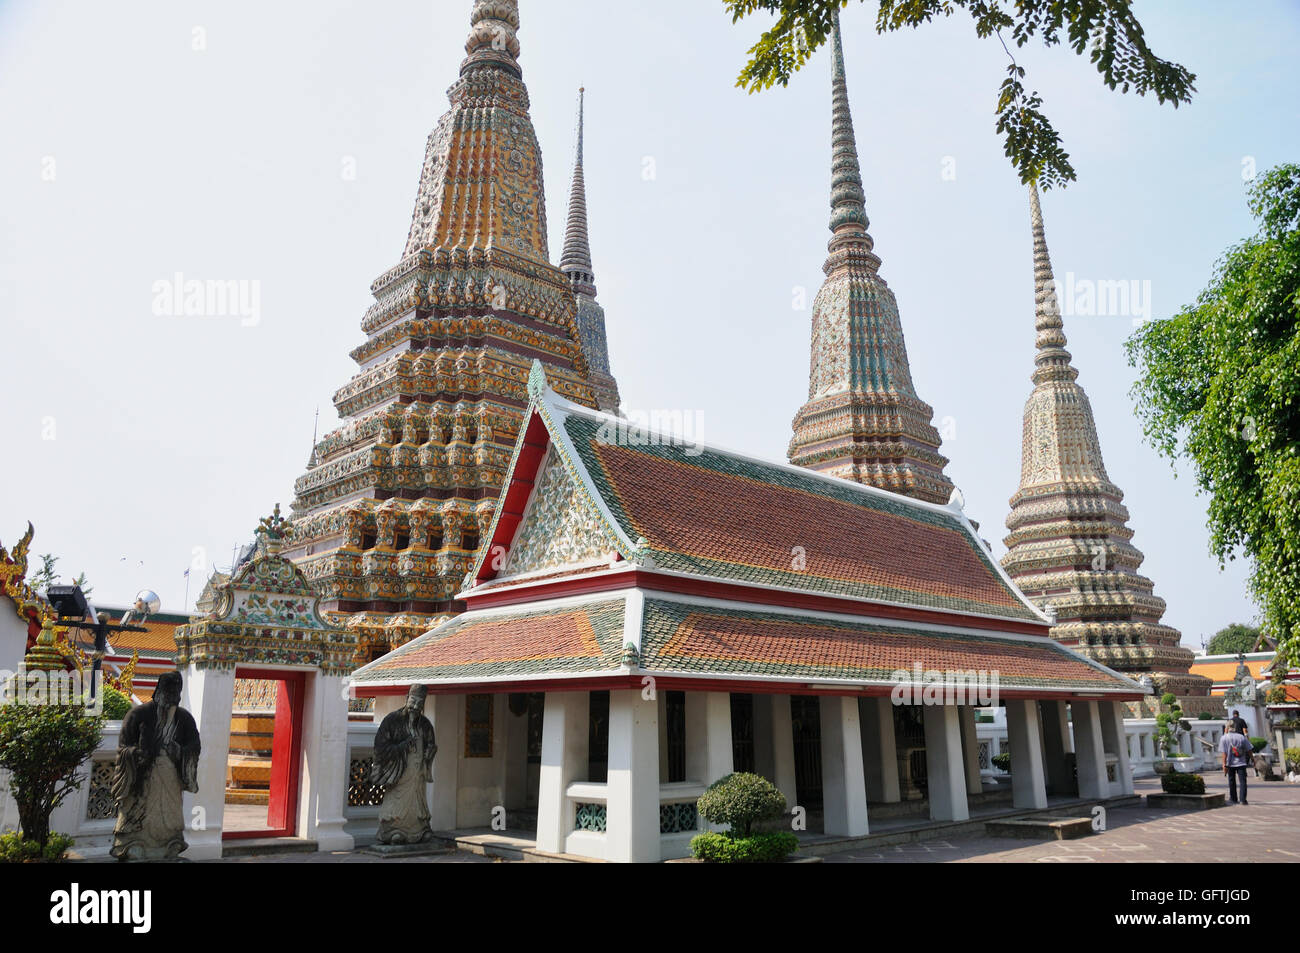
(209, 695)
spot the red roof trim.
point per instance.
(537, 439)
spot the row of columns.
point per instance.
(858, 758)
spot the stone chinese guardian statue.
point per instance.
(157, 760)
(404, 750)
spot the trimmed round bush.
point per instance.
(740, 800)
(1182, 784)
(724, 848)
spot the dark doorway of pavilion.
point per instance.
(598, 738)
(909, 743)
(742, 733)
(675, 736)
(806, 721)
(265, 760)
(523, 769)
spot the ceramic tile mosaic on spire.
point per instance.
(576, 263)
(863, 420)
(387, 517)
(1070, 546)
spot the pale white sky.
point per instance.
(130, 156)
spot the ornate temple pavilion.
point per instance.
(1070, 546)
(863, 420)
(646, 617)
(390, 512)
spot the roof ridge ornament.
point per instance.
(537, 381)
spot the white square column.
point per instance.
(1056, 745)
(844, 788)
(783, 774)
(448, 735)
(1090, 752)
(1028, 783)
(324, 778)
(945, 768)
(564, 760)
(209, 695)
(1115, 741)
(709, 752)
(970, 750)
(879, 753)
(632, 808)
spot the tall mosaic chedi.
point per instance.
(1069, 546)
(863, 420)
(389, 514)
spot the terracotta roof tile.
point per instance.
(570, 639)
(685, 637)
(712, 513)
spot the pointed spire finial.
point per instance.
(493, 36)
(849, 219)
(575, 261)
(1053, 360)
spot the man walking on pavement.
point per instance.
(1234, 752)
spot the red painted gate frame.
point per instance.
(286, 754)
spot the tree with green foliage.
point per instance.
(1169, 725)
(1233, 640)
(1104, 30)
(46, 576)
(1219, 385)
(42, 746)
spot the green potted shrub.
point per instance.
(1002, 761)
(1258, 744)
(742, 800)
(42, 746)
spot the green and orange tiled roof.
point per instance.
(712, 513)
(553, 641)
(708, 639)
(694, 638)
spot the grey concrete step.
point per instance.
(267, 845)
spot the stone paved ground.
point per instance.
(1267, 830)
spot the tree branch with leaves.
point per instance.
(1106, 31)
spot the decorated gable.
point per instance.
(559, 528)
